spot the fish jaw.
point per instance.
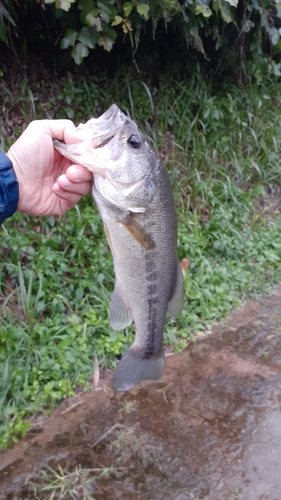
(100, 130)
(95, 133)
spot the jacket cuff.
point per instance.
(9, 188)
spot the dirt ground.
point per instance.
(209, 429)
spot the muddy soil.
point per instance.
(210, 429)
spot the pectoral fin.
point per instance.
(138, 232)
(175, 305)
(119, 315)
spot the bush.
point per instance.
(217, 29)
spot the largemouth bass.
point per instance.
(134, 197)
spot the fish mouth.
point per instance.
(105, 128)
(112, 114)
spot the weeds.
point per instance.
(56, 273)
(130, 451)
(80, 484)
(133, 449)
(129, 407)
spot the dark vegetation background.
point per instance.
(233, 38)
(202, 80)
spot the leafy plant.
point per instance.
(249, 30)
(8, 17)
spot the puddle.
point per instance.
(210, 429)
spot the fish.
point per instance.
(134, 197)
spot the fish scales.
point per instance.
(141, 228)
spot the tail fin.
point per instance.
(134, 367)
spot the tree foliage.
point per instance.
(80, 26)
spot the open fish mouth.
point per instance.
(110, 113)
(106, 126)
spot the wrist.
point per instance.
(9, 188)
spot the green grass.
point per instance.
(56, 274)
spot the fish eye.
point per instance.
(135, 142)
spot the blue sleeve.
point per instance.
(9, 188)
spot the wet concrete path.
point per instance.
(210, 429)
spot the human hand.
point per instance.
(49, 183)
